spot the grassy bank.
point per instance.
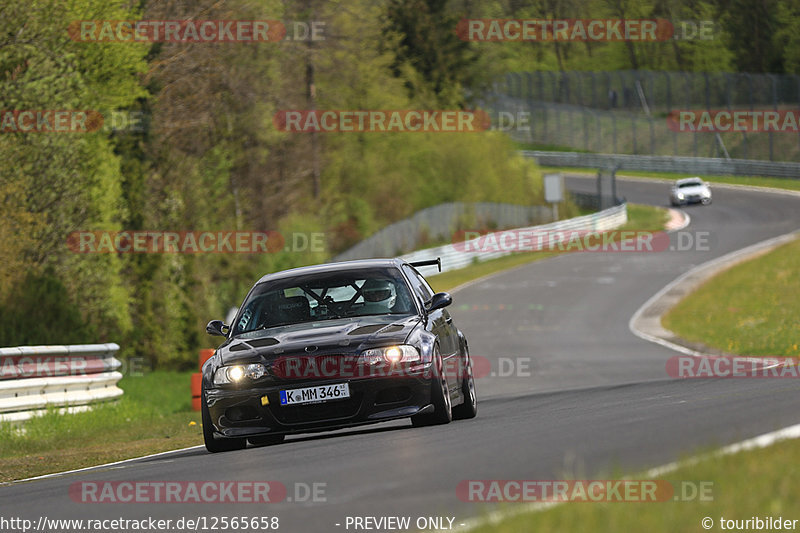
(153, 415)
(750, 309)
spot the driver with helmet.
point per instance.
(379, 295)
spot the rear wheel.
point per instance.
(468, 409)
(440, 398)
(216, 445)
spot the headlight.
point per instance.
(680, 196)
(402, 353)
(238, 373)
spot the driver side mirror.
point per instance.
(438, 301)
(217, 327)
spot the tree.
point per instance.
(751, 27)
(429, 45)
(56, 183)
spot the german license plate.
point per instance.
(322, 393)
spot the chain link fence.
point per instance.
(657, 91)
(626, 112)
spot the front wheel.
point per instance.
(468, 409)
(440, 398)
(216, 445)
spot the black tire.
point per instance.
(468, 409)
(216, 445)
(440, 398)
(266, 440)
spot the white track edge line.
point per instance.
(97, 467)
(736, 255)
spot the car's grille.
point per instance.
(300, 368)
(298, 414)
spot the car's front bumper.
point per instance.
(691, 199)
(245, 413)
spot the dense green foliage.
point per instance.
(208, 156)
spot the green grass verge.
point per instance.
(751, 309)
(775, 183)
(640, 217)
(759, 483)
(154, 414)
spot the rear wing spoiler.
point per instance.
(430, 262)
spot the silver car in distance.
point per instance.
(690, 191)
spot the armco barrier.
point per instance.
(70, 378)
(438, 223)
(453, 258)
(691, 166)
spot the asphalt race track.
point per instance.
(597, 396)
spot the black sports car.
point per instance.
(331, 346)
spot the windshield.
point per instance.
(690, 184)
(325, 296)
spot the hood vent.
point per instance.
(376, 328)
(257, 343)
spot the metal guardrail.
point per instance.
(69, 378)
(438, 223)
(455, 257)
(687, 165)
